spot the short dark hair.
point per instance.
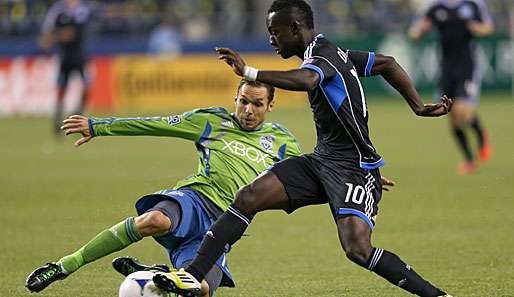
(258, 84)
(288, 5)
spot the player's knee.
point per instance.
(357, 254)
(247, 200)
(358, 251)
(205, 289)
(153, 223)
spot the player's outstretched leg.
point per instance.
(266, 192)
(484, 146)
(128, 265)
(355, 235)
(83, 101)
(108, 241)
(178, 282)
(58, 113)
(118, 237)
(469, 164)
(460, 118)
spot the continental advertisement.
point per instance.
(157, 83)
(130, 84)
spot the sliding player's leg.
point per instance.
(289, 185)
(154, 222)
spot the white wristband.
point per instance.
(250, 73)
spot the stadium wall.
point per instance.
(126, 83)
(129, 83)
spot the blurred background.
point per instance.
(123, 39)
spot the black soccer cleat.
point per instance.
(42, 277)
(178, 282)
(128, 265)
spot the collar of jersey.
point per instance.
(452, 4)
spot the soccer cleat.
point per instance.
(178, 282)
(42, 277)
(485, 152)
(128, 265)
(466, 167)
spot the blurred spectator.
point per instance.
(166, 38)
(65, 27)
(219, 19)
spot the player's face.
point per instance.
(72, 3)
(251, 106)
(282, 37)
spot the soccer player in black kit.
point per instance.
(65, 25)
(457, 22)
(343, 170)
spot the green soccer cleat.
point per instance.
(42, 277)
(178, 282)
(128, 265)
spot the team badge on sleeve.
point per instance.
(227, 124)
(173, 120)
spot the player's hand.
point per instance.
(77, 124)
(386, 183)
(233, 59)
(436, 110)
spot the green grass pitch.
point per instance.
(456, 231)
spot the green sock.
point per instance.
(106, 242)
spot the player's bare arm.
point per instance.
(292, 80)
(480, 29)
(395, 75)
(46, 41)
(77, 124)
(420, 28)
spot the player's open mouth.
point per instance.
(277, 51)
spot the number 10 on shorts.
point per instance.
(355, 193)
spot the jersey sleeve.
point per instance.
(189, 126)
(50, 19)
(482, 13)
(288, 146)
(429, 13)
(363, 61)
(315, 61)
(293, 148)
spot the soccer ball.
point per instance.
(140, 284)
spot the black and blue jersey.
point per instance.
(450, 18)
(338, 103)
(62, 17)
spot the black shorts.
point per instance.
(349, 190)
(460, 85)
(66, 68)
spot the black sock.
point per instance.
(393, 269)
(58, 117)
(82, 105)
(225, 231)
(462, 140)
(477, 127)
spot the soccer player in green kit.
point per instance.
(233, 149)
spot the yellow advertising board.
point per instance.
(188, 81)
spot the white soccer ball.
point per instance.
(140, 284)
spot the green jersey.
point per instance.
(229, 157)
